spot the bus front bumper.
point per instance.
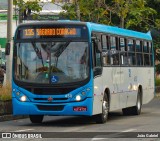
(73, 108)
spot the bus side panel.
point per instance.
(147, 82)
(129, 76)
(111, 80)
(139, 76)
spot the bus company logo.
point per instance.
(50, 99)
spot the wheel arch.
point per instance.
(140, 88)
(107, 92)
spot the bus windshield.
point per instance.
(51, 62)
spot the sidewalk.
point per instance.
(11, 117)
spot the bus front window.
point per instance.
(51, 62)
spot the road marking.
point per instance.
(112, 135)
(72, 129)
(22, 130)
(96, 139)
(129, 130)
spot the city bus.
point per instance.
(73, 68)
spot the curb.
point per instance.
(11, 117)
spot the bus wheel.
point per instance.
(135, 110)
(36, 118)
(102, 118)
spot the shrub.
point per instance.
(157, 81)
(5, 93)
(158, 68)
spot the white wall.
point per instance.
(3, 28)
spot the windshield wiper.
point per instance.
(38, 52)
(60, 50)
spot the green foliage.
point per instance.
(90, 10)
(140, 16)
(157, 83)
(33, 5)
(5, 93)
(156, 45)
(135, 14)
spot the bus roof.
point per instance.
(97, 28)
(119, 31)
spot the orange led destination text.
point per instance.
(29, 32)
(56, 31)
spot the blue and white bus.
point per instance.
(81, 69)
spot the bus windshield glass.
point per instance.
(49, 62)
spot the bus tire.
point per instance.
(36, 118)
(135, 110)
(103, 117)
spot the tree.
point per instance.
(25, 8)
(140, 16)
(90, 10)
(133, 14)
(120, 8)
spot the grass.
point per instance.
(5, 93)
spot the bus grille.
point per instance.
(46, 99)
(50, 108)
(51, 91)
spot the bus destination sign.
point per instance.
(27, 33)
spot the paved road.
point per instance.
(117, 126)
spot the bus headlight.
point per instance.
(20, 96)
(78, 98)
(23, 98)
(82, 95)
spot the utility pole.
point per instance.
(77, 10)
(10, 41)
(20, 13)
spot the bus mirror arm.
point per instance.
(96, 41)
(97, 71)
(7, 49)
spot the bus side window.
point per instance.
(139, 53)
(146, 53)
(105, 50)
(151, 53)
(123, 51)
(131, 52)
(114, 50)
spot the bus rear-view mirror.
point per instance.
(95, 41)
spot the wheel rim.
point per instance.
(139, 103)
(105, 109)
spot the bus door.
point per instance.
(97, 75)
